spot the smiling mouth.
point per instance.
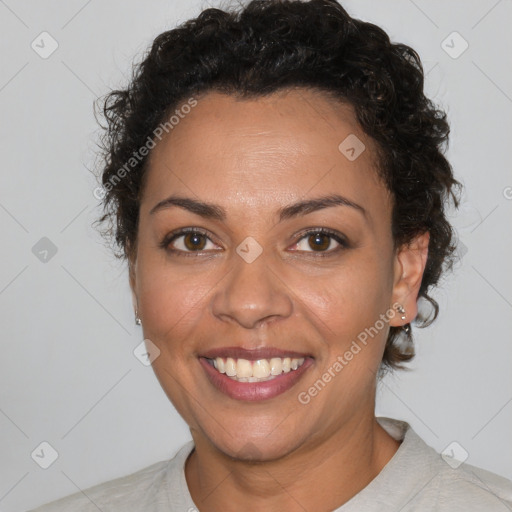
(261, 370)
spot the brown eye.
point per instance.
(194, 241)
(188, 241)
(319, 241)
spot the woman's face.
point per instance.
(254, 280)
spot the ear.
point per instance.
(132, 273)
(409, 266)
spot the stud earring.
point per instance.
(138, 321)
(401, 311)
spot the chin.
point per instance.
(256, 447)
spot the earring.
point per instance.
(138, 321)
(401, 311)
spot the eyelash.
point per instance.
(334, 235)
(171, 237)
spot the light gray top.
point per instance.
(415, 479)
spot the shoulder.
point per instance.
(121, 492)
(422, 479)
(469, 488)
(146, 489)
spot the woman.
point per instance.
(275, 179)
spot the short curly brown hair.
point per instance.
(270, 45)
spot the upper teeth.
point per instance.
(252, 371)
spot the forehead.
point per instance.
(264, 151)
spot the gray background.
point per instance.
(68, 375)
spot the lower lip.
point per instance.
(254, 391)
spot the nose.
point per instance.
(252, 294)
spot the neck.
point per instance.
(322, 476)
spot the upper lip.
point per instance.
(251, 354)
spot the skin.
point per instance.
(253, 157)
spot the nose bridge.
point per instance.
(251, 292)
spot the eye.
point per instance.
(188, 240)
(320, 241)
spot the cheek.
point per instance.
(341, 301)
(171, 300)
(350, 298)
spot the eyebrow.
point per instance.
(206, 210)
(311, 205)
(213, 211)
